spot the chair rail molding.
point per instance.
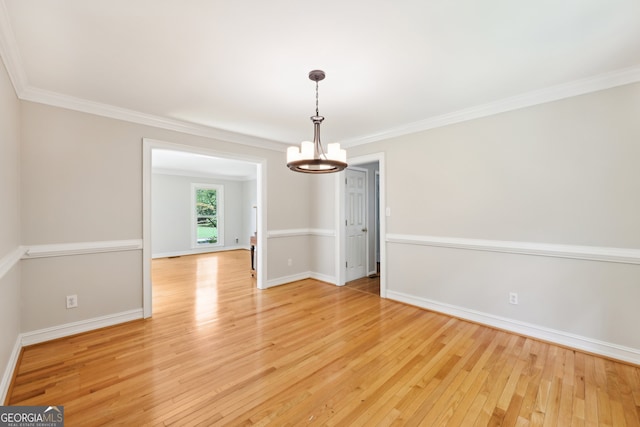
(590, 253)
(301, 232)
(81, 248)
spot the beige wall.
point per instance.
(564, 172)
(82, 182)
(105, 284)
(9, 223)
(323, 218)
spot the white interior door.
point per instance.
(356, 224)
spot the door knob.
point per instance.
(364, 230)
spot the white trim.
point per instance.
(339, 219)
(12, 364)
(8, 261)
(578, 342)
(591, 253)
(193, 149)
(287, 279)
(376, 221)
(60, 331)
(199, 251)
(319, 232)
(148, 145)
(261, 224)
(323, 277)
(81, 248)
(554, 93)
(68, 329)
(147, 175)
(13, 63)
(272, 234)
(30, 93)
(278, 281)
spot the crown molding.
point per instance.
(77, 104)
(9, 52)
(554, 93)
(13, 63)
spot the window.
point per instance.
(207, 214)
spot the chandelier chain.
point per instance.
(317, 113)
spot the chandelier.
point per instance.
(311, 157)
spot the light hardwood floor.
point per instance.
(370, 285)
(220, 352)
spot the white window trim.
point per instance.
(220, 213)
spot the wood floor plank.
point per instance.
(219, 351)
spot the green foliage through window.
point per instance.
(207, 215)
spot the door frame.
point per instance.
(340, 242)
(148, 145)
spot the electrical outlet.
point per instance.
(237, 240)
(289, 262)
(72, 301)
(513, 298)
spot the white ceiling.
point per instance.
(241, 66)
(192, 164)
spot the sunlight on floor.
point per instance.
(206, 289)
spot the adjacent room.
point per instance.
(345, 213)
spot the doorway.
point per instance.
(372, 257)
(257, 211)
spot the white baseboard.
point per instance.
(287, 279)
(54, 332)
(7, 376)
(324, 278)
(198, 251)
(47, 334)
(301, 276)
(566, 339)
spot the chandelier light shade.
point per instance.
(311, 157)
